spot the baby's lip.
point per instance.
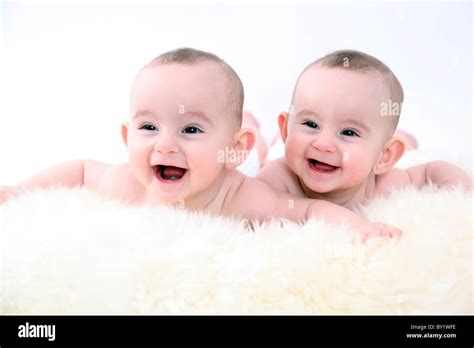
(314, 161)
(169, 173)
(168, 164)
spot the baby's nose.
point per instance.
(324, 142)
(166, 143)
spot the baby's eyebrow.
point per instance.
(357, 123)
(306, 112)
(198, 114)
(143, 112)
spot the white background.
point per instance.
(66, 69)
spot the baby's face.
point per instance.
(179, 120)
(335, 132)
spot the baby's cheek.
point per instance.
(137, 168)
(291, 147)
(294, 153)
(207, 165)
(357, 166)
(139, 162)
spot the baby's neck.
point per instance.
(349, 198)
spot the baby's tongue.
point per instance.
(169, 172)
(323, 166)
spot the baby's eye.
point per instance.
(148, 127)
(349, 133)
(192, 130)
(311, 124)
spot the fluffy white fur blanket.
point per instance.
(72, 252)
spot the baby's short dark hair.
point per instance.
(359, 61)
(192, 56)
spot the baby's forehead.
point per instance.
(342, 79)
(340, 91)
(183, 86)
(195, 78)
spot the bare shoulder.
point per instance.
(249, 198)
(255, 199)
(395, 178)
(94, 173)
(112, 180)
(277, 174)
(94, 168)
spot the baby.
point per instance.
(184, 141)
(339, 135)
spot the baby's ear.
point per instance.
(124, 130)
(393, 150)
(283, 125)
(244, 141)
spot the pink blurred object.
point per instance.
(249, 121)
(409, 139)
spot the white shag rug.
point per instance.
(71, 252)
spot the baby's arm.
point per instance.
(266, 203)
(68, 174)
(440, 173)
(336, 214)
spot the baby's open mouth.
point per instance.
(169, 173)
(321, 166)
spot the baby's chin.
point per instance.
(318, 188)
